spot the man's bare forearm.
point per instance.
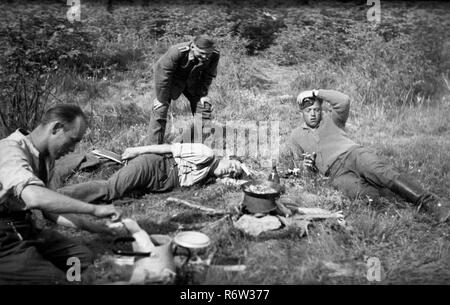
(38, 197)
(155, 149)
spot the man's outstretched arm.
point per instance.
(42, 198)
(160, 149)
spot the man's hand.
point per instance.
(108, 227)
(109, 210)
(206, 102)
(303, 95)
(130, 153)
(309, 162)
(294, 172)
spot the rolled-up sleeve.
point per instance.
(195, 153)
(15, 170)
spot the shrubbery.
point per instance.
(35, 51)
(388, 64)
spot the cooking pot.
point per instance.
(260, 202)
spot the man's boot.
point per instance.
(412, 192)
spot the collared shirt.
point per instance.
(329, 140)
(194, 162)
(20, 166)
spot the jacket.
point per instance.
(177, 71)
(329, 140)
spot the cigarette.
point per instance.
(245, 169)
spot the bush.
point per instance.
(258, 29)
(34, 52)
(37, 51)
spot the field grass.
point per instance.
(393, 71)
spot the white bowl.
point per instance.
(192, 240)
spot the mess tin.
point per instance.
(165, 247)
(260, 196)
(161, 256)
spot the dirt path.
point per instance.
(281, 77)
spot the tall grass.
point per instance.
(394, 73)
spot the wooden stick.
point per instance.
(190, 204)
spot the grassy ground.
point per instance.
(400, 106)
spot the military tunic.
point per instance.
(355, 170)
(177, 72)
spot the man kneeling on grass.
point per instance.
(157, 168)
(353, 169)
(28, 254)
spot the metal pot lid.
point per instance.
(192, 240)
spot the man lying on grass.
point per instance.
(157, 168)
(353, 169)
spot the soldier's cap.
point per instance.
(305, 100)
(204, 42)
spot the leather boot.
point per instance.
(414, 193)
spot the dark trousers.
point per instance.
(158, 119)
(40, 258)
(362, 173)
(145, 173)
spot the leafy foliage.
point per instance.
(34, 51)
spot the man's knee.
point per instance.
(355, 187)
(375, 169)
(160, 110)
(133, 176)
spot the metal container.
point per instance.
(256, 202)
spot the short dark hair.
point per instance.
(65, 113)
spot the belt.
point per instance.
(172, 169)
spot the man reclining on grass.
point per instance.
(353, 169)
(156, 168)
